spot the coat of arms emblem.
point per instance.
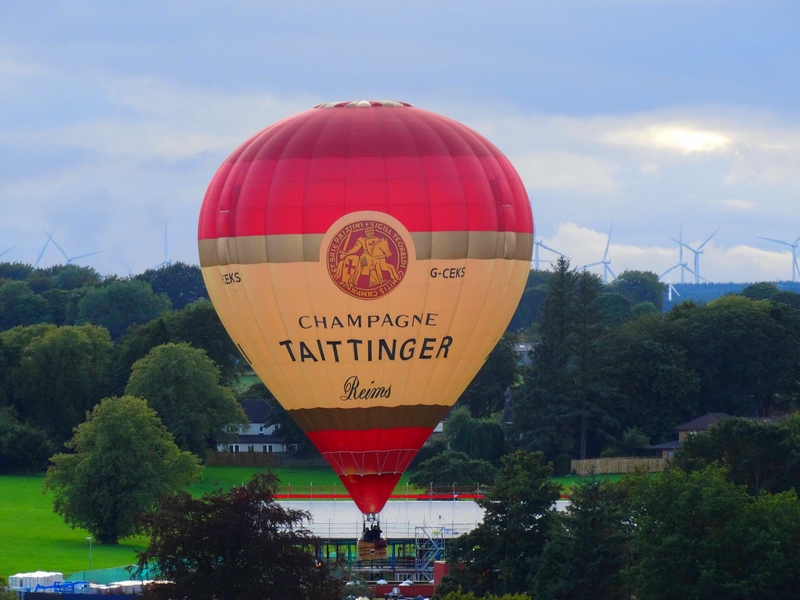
(367, 259)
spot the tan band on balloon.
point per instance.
(379, 417)
(433, 245)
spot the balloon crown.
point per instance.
(361, 104)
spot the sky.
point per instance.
(661, 118)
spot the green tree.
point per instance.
(433, 447)
(643, 309)
(633, 442)
(196, 324)
(614, 307)
(5, 593)
(544, 410)
(182, 385)
(485, 393)
(234, 545)
(760, 456)
(529, 308)
(23, 448)
(655, 389)
(121, 460)
(16, 270)
(63, 304)
(760, 291)
(588, 547)
(20, 306)
(453, 468)
(481, 439)
(61, 374)
(744, 351)
(181, 282)
(72, 277)
(12, 345)
(700, 536)
(590, 359)
(561, 408)
(640, 286)
(501, 555)
(120, 304)
(789, 298)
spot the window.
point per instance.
(270, 448)
(234, 447)
(251, 448)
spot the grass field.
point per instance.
(246, 380)
(33, 538)
(570, 480)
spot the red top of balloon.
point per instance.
(301, 174)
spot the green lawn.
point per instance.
(33, 538)
(568, 481)
(301, 480)
(246, 380)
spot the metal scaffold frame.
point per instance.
(430, 547)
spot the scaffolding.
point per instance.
(430, 547)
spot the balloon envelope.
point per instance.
(366, 257)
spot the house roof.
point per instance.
(256, 409)
(260, 439)
(670, 445)
(703, 423)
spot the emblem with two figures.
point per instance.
(367, 259)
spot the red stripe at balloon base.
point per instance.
(370, 462)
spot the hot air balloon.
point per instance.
(366, 257)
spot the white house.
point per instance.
(258, 436)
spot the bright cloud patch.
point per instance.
(670, 137)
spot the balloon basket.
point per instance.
(372, 550)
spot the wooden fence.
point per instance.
(600, 466)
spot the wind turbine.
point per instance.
(41, 254)
(795, 265)
(166, 262)
(697, 252)
(5, 251)
(536, 246)
(71, 258)
(682, 264)
(605, 262)
(671, 288)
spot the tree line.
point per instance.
(123, 338)
(610, 373)
(722, 522)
